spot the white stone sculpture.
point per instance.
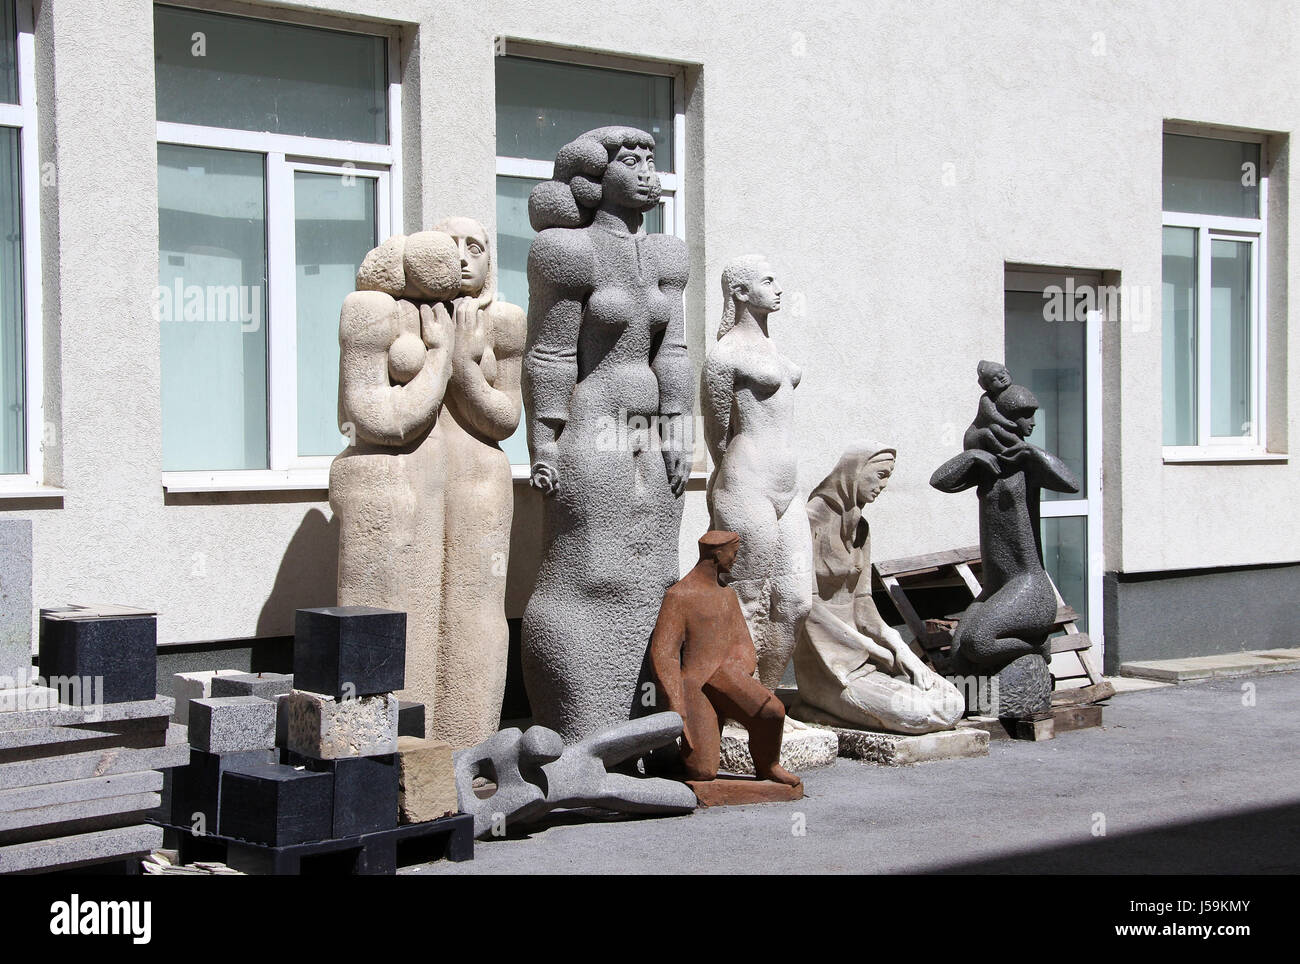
(424, 493)
(747, 401)
(854, 669)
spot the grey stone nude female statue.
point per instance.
(608, 396)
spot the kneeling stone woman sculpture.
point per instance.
(854, 669)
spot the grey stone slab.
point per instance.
(51, 740)
(75, 810)
(75, 715)
(264, 685)
(802, 748)
(69, 791)
(228, 724)
(79, 849)
(900, 749)
(15, 597)
(97, 763)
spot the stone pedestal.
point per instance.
(802, 748)
(16, 598)
(901, 749)
(738, 791)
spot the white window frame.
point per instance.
(1210, 228)
(31, 482)
(284, 155)
(672, 182)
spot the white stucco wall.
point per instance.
(820, 135)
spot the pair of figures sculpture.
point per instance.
(428, 385)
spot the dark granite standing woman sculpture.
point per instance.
(1011, 619)
(608, 393)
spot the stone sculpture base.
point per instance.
(1022, 690)
(901, 749)
(735, 791)
(802, 748)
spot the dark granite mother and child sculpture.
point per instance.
(1007, 626)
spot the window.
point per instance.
(541, 105)
(1212, 337)
(277, 172)
(20, 366)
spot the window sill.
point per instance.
(1209, 454)
(263, 480)
(25, 487)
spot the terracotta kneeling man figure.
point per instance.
(704, 659)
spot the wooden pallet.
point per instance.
(956, 567)
(366, 854)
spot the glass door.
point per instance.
(1053, 348)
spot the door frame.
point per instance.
(1030, 278)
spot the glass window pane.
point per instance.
(1045, 349)
(1065, 557)
(1178, 336)
(258, 75)
(542, 105)
(1230, 338)
(514, 235)
(334, 227)
(8, 53)
(1208, 176)
(211, 306)
(13, 380)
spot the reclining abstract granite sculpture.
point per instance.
(536, 773)
(1004, 631)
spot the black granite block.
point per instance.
(267, 686)
(347, 651)
(365, 791)
(120, 650)
(410, 719)
(276, 805)
(196, 787)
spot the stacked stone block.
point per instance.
(80, 756)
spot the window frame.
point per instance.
(672, 182)
(285, 154)
(1209, 228)
(30, 483)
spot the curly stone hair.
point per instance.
(573, 193)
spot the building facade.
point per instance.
(1096, 193)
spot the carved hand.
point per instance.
(679, 470)
(545, 478)
(471, 331)
(436, 326)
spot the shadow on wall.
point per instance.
(308, 575)
(525, 549)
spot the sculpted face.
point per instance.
(726, 556)
(630, 180)
(760, 290)
(875, 476)
(471, 240)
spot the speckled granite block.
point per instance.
(327, 729)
